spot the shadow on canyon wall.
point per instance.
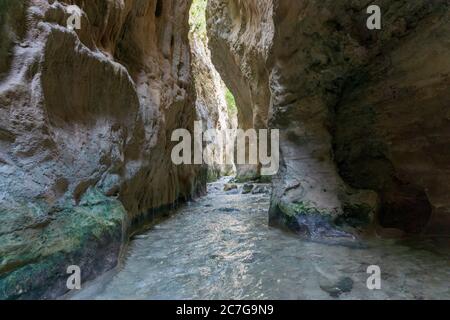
(87, 116)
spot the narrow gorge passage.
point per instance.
(220, 247)
(119, 178)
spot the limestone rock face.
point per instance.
(85, 128)
(240, 36)
(363, 113)
(212, 108)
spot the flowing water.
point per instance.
(220, 247)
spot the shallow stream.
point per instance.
(220, 247)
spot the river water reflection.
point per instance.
(220, 247)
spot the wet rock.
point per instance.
(240, 56)
(67, 240)
(356, 216)
(211, 104)
(307, 221)
(230, 186)
(259, 189)
(86, 114)
(343, 285)
(249, 259)
(140, 237)
(247, 188)
(347, 103)
(228, 210)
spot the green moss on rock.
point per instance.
(355, 215)
(300, 208)
(33, 261)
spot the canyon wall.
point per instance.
(212, 108)
(85, 128)
(240, 36)
(87, 116)
(363, 113)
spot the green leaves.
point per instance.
(197, 19)
(231, 102)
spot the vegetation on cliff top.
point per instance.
(197, 19)
(197, 23)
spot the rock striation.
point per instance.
(363, 113)
(85, 128)
(87, 117)
(240, 37)
(212, 108)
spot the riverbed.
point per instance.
(221, 247)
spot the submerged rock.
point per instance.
(261, 189)
(343, 285)
(247, 188)
(211, 104)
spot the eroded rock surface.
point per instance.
(363, 113)
(211, 105)
(87, 116)
(85, 126)
(240, 36)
